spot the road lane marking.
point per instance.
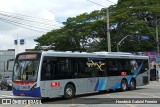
(131, 105)
(27, 105)
(108, 95)
(73, 103)
(7, 96)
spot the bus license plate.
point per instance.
(25, 87)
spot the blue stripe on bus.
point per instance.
(104, 85)
(100, 85)
(97, 84)
(117, 85)
(134, 75)
(129, 79)
(33, 93)
(139, 68)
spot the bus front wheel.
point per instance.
(124, 85)
(69, 91)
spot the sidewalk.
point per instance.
(155, 81)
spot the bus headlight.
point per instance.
(10, 84)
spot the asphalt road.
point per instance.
(144, 96)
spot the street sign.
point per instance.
(21, 41)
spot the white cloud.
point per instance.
(55, 10)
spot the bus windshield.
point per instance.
(26, 70)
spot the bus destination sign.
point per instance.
(28, 56)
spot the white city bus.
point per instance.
(51, 74)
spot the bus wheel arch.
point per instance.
(132, 84)
(124, 85)
(69, 90)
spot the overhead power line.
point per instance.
(26, 16)
(25, 27)
(41, 26)
(49, 24)
(29, 25)
(110, 1)
(29, 22)
(96, 3)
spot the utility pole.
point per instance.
(108, 28)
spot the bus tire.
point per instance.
(69, 91)
(124, 85)
(132, 84)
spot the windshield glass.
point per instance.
(26, 70)
(9, 80)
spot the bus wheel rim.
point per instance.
(132, 84)
(124, 86)
(69, 91)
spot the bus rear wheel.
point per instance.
(69, 91)
(132, 84)
(124, 85)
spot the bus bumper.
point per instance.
(32, 93)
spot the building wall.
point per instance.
(4, 56)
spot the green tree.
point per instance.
(88, 31)
(81, 33)
(135, 15)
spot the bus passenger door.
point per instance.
(44, 78)
(43, 91)
(49, 86)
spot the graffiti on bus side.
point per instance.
(96, 64)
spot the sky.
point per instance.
(50, 12)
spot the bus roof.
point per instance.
(101, 54)
(92, 54)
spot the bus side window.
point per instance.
(75, 67)
(102, 70)
(81, 68)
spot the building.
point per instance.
(5, 55)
